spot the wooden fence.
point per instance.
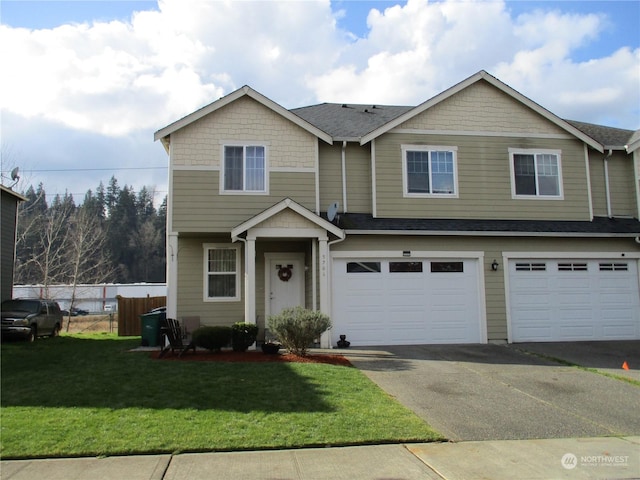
(129, 311)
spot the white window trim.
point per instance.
(534, 152)
(428, 148)
(243, 144)
(205, 269)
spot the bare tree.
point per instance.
(86, 260)
(45, 258)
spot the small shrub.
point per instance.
(243, 335)
(212, 338)
(298, 327)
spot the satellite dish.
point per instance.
(332, 211)
(14, 174)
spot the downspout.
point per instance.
(325, 339)
(344, 176)
(606, 182)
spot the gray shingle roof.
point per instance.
(607, 136)
(598, 226)
(349, 121)
(353, 121)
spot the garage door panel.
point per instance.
(411, 306)
(585, 300)
(578, 332)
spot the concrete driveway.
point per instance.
(503, 392)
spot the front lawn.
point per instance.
(81, 395)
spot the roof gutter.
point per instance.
(484, 233)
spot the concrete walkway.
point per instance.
(586, 458)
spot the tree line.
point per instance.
(114, 236)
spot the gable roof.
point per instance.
(287, 203)
(163, 133)
(609, 137)
(633, 142)
(349, 122)
(483, 76)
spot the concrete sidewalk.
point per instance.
(586, 458)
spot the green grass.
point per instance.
(82, 395)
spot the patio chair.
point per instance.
(177, 338)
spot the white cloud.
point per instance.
(117, 77)
(415, 51)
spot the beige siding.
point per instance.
(200, 143)
(197, 206)
(481, 107)
(598, 192)
(358, 173)
(191, 286)
(330, 175)
(191, 280)
(484, 180)
(358, 178)
(492, 248)
(621, 182)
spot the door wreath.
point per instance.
(284, 273)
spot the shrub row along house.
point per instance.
(477, 216)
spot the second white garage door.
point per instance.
(405, 302)
(566, 300)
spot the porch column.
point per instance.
(325, 304)
(250, 280)
(172, 275)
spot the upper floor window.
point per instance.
(221, 272)
(429, 171)
(244, 168)
(536, 173)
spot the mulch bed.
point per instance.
(253, 356)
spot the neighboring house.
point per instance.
(9, 220)
(477, 216)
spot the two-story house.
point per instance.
(477, 216)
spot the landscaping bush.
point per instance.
(243, 335)
(212, 338)
(298, 327)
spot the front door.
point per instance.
(284, 282)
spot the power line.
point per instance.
(93, 169)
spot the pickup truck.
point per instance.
(30, 318)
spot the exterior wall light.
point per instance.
(494, 266)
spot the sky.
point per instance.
(85, 84)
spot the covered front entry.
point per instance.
(407, 301)
(286, 272)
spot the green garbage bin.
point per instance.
(150, 324)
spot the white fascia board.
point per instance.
(348, 254)
(634, 142)
(573, 255)
(226, 100)
(280, 206)
(454, 233)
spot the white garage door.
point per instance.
(567, 300)
(405, 302)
